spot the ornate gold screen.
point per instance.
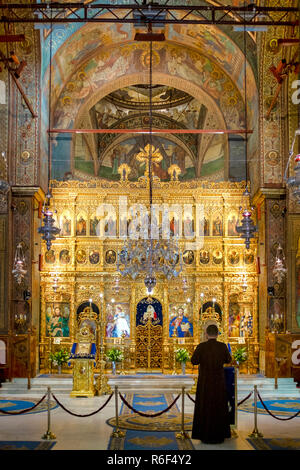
(149, 346)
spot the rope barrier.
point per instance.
(246, 398)
(192, 399)
(23, 411)
(81, 416)
(276, 417)
(145, 414)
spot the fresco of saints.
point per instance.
(180, 326)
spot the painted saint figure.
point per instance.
(180, 326)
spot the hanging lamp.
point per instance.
(48, 230)
(247, 229)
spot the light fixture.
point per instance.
(279, 270)
(247, 227)
(148, 256)
(19, 266)
(48, 229)
(293, 183)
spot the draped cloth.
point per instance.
(211, 417)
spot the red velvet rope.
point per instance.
(246, 398)
(23, 411)
(81, 416)
(242, 401)
(145, 414)
(276, 417)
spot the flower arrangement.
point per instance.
(182, 355)
(240, 355)
(60, 357)
(114, 355)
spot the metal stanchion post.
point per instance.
(255, 433)
(48, 434)
(182, 434)
(117, 432)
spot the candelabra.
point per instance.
(101, 381)
(20, 321)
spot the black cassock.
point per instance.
(211, 418)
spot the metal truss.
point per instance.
(150, 14)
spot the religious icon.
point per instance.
(217, 256)
(81, 225)
(246, 324)
(234, 319)
(110, 257)
(233, 257)
(57, 320)
(249, 258)
(174, 226)
(204, 257)
(50, 257)
(232, 221)
(65, 225)
(149, 310)
(217, 227)
(188, 256)
(110, 227)
(188, 226)
(94, 257)
(204, 227)
(64, 257)
(117, 321)
(94, 226)
(180, 325)
(81, 256)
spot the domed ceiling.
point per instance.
(197, 155)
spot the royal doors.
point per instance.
(149, 335)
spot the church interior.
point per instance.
(149, 159)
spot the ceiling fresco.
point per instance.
(99, 78)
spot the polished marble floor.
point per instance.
(93, 433)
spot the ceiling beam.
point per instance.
(150, 14)
(147, 131)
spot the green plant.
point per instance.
(182, 355)
(240, 355)
(114, 355)
(60, 357)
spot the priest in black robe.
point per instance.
(211, 416)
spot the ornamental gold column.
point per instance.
(102, 386)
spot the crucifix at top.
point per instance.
(145, 154)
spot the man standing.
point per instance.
(211, 419)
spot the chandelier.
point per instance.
(294, 181)
(48, 229)
(149, 256)
(19, 266)
(279, 270)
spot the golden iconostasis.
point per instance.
(80, 270)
